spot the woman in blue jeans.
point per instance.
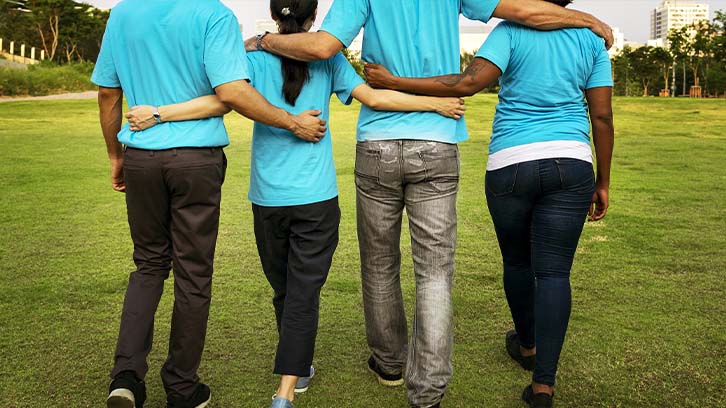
(540, 184)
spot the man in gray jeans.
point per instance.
(411, 161)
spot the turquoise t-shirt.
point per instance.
(167, 52)
(285, 169)
(545, 75)
(412, 38)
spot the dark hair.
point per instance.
(563, 3)
(291, 16)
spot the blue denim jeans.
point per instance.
(539, 209)
(421, 177)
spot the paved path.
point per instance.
(82, 95)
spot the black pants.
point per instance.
(172, 198)
(296, 246)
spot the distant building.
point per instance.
(472, 37)
(619, 43)
(675, 14)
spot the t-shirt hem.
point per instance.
(289, 203)
(230, 79)
(599, 85)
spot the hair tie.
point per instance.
(286, 11)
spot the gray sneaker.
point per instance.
(303, 383)
(280, 402)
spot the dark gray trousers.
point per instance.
(296, 246)
(173, 201)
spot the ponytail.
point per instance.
(291, 16)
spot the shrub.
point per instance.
(46, 79)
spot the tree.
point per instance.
(664, 60)
(621, 71)
(354, 59)
(645, 67)
(465, 59)
(678, 40)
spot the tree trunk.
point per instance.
(50, 43)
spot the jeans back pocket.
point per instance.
(502, 181)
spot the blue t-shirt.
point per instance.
(167, 52)
(285, 169)
(412, 38)
(544, 77)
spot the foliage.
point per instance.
(700, 47)
(46, 79)
(66, 30)
(354, 59)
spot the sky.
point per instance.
(631, 16)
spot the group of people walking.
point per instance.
(182, 65)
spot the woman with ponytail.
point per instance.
(293, 186)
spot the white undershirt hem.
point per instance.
(539, 151)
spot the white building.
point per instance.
(472, 37)
(675, 14)
(618, 44)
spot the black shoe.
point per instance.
(126, 391)
(200, 399)
(540, 400)
(389, 380)
(513, 345)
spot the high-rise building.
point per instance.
(675, 14)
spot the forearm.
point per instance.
(604, 139)
(245, 100)
(543, 15)
(388, 100)
(110, 106)
(303, 46)
(455, 85)
(199, 108)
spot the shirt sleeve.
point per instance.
(345, 19)
(345, 79)
(480, 10)
(104, 73)
(225, 59)
(498, 47)
(602, 71)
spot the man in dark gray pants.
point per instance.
(161, 53)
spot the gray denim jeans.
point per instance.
(423, 178)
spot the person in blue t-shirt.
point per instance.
(540, 184)
(164, 52)
(411, 161)
(293, 185)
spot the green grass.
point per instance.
(648, 322)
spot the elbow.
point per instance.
(375, 103)
(323, 51)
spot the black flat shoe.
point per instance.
(541, 400)
(513, 345)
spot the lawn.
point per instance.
(648, 322)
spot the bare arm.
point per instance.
(110, 106)
(547, 16)
(142, 117)
(599, 101)
(302, 47)
(246, 101)
(386, 100)
(479, 75)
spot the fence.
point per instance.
(18, 53)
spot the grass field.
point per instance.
(648, 322)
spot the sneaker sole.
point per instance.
(301, 390)
(121, 398)
(205, 403)
(383, 381)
